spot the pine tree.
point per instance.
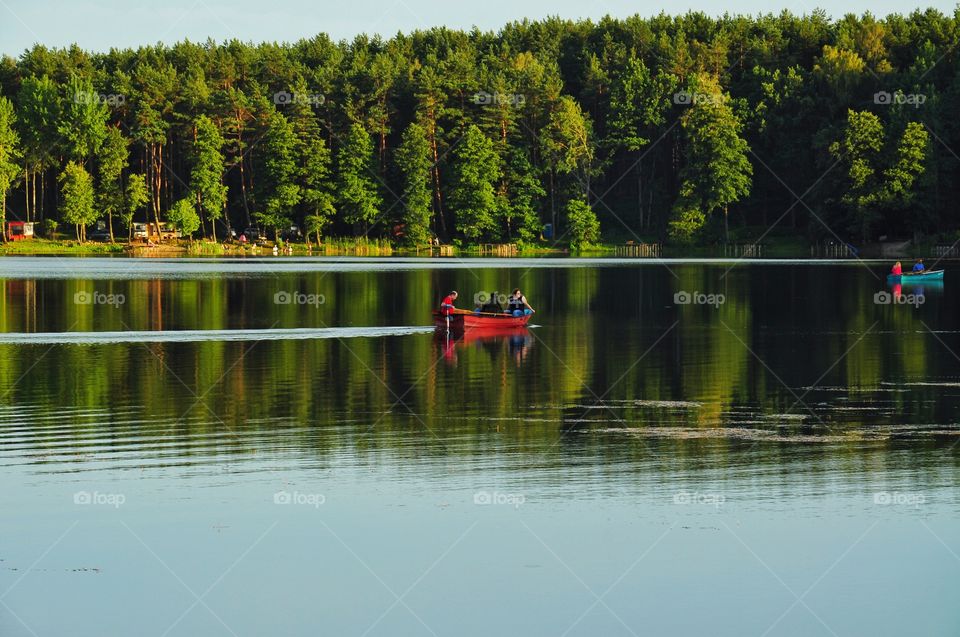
(206, 176)
(359, 200)
(524, 192)
(473, 196)
(415, 164)
(281, 193)
(317, 186)
(567, 145)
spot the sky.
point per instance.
(99, 25)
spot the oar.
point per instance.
(465, 312)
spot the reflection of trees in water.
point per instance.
(595, 347)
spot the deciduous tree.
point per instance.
(76, 198)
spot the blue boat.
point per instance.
(915, 277)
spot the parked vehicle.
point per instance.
(167, 231)
(19, 230)
(292, 234)
(100, 234)
(252, 234)
(140, 231)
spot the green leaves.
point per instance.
(137, 196)
(881, 170)
(111, 160)
(523, 196)
(38, 115)
(280, 190)
(374, 128)
(76, 198)
(10, 152)
(476, 169)
(568, 139)
(584, 227)
(909, 163)
(206, 175)
(359, 200)
(183, 215)
(415, 163)
(717, 171)
(316, 178)
(82, 121)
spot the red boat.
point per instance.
(466, 320)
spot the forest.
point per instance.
(689, 129)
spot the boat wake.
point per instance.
(197, 336)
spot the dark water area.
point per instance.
(287, 446)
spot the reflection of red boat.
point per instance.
(465, 320)
(516, 342)
(494, 335)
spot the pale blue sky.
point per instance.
(101, 24)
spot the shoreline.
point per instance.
(771, 251)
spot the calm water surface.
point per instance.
(286, 446)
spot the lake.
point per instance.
(286, 446)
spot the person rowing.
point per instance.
(447, 306)
(517, 304)
(918, 266)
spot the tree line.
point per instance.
(686, 128)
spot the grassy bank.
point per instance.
(46, 246)
(771, 247)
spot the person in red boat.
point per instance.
(447, 307)
(897, 269)
(517, 305)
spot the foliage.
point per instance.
(206, 176)
(584, 227)
(660, 124)
(686, 222)
(82, 121)
(9, 154)
(316, 179)
(524, 193)
(359, 198)
(76, 198)
(473, 195)
(880, 170)
(567, 143)
(414, 163)
(112, 159)
(136, 197)
(280, 190)
(717, 171)
(183, 215)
